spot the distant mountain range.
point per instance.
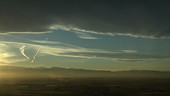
(56, 72)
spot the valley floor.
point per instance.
(85, 87)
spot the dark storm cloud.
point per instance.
(150, 18)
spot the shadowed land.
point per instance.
(59, 83)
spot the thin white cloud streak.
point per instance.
(29, 32)
(129, 51)
(37, 52)
(84, 35)
(58, 44)
(45, 42)
(128, 55)
(35, 55)
(72, 28)
(110, 33)
(67, 50)
(22, 50)
(75, 29)
(139, 22)
(9, 61)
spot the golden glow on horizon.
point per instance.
(5, 61)
(5, 55)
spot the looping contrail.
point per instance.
(22, 50)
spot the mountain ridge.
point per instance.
(61, 68)
(53, 72)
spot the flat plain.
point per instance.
(85, 87)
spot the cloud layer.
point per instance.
(7, 56)
(67, 50)
(138, 18)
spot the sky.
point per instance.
(86, 34)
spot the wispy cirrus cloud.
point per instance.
(138, 18)
(22, 50)
(7, 56)
(129, 51)
(68, 50)
(117, 55)
(84, 35)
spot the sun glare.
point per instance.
(5, 55)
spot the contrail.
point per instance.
(37, 52)
(35, 55)
(22, 50)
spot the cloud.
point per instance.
(119, 56)
(135, 18)
(34, 57)
(83, 35)
(129, 51)
(127, 60)
(22, 50)
(67, 50)
(6, 55)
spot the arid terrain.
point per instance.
(86, 87)
(20, 81)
